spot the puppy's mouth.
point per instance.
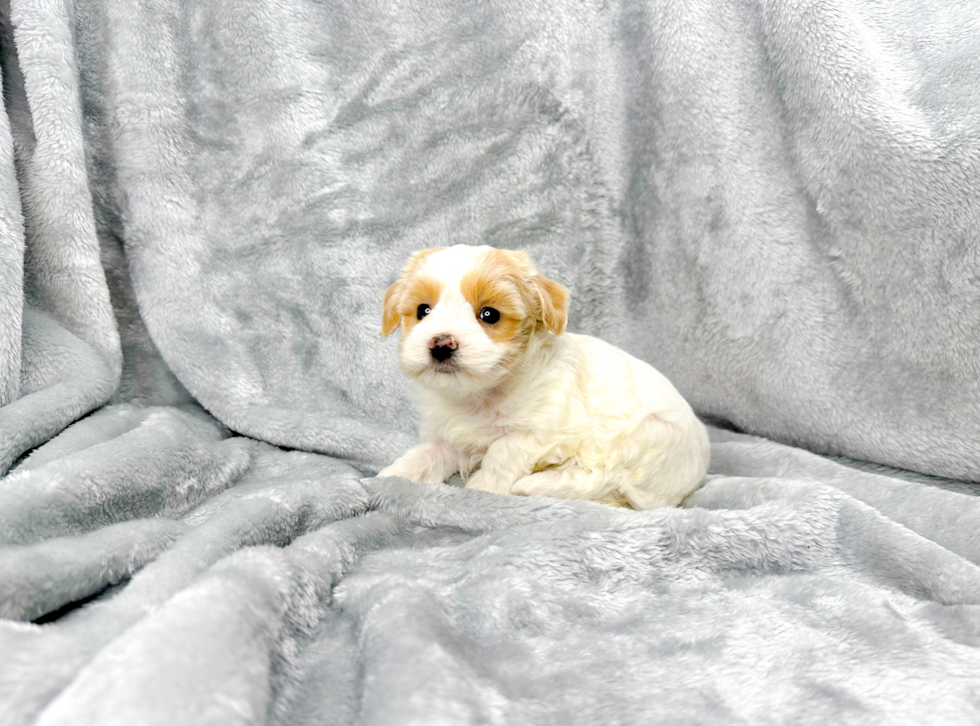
(434, 370)
(447, 367)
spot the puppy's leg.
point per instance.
(655, 465)
(661, 462)
(507, 460)
(431, 462)
(570, 483)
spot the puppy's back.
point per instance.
(648, 437)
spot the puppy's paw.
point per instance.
(421, 475)
(427, 463)
(394, 470)
(543, 483)
(486, 481)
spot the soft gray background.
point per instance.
(773, 203)
(200, 206)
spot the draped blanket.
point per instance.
(775, 203)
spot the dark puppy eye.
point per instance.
(489, 316)
(422, 311)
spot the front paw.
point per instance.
(427, 463)
(421, 475)
(486, 481)
(393, 470)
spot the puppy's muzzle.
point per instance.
(441, 347)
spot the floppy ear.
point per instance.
(554, 304)
(390, 319)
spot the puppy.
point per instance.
(518, 406)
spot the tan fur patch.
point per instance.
(418, 290)
(505, 280)
(395, 302)
(501, 282)
(506, 276)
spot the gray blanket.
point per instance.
(775, 203)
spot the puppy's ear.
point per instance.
(390, 319)
(554, 304)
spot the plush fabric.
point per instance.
(774, 203)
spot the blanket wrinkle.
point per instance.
(201, 206)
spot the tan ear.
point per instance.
(390, 319)
(554, 304)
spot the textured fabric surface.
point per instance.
(201, 204)
(774, 203)
(242, 584)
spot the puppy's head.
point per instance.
(468, 313)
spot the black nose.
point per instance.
(442, 353)
(441, 347)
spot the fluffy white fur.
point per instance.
(535, 413)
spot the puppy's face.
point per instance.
(467, 314)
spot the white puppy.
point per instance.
(519, 406)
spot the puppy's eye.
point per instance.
(489, 316)
(422, 311)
